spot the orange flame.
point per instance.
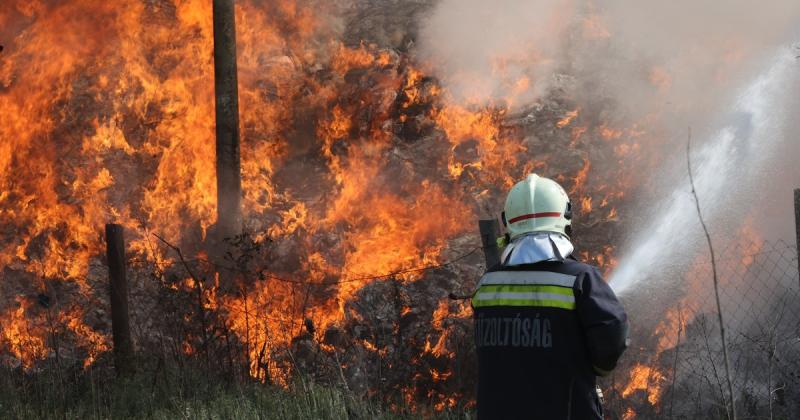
(645, 378)
(26, 344)
(567, 119)
(124, 132)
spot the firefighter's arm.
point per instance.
(604, 321)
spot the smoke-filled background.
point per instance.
(664, 65)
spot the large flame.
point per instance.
(356, 166)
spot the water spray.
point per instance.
(727, 163)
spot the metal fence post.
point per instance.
(490, 230)
(797, 226)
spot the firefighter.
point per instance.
(545, 324)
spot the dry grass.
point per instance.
(175, 393)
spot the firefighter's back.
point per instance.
(533, 358)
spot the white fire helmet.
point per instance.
(537, 204)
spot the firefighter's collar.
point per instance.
(536, 247)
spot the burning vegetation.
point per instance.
(363, 180)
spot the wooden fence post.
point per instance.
(229, 180)
(490, 230)
(120, 323)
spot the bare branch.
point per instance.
(180, 256)
(716, 279)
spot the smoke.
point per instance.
(504, 51)
(728, 72)
(682, 59)
(661, 66)
(683, 53)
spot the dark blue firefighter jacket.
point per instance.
(543, 332)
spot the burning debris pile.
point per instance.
(363, 182)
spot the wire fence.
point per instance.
(676, 370)
(673, 368)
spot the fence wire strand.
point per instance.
(760, 298)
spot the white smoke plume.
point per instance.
(684, 52)
(495, 51)
(665, 65)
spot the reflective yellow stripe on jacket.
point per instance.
(525, 288)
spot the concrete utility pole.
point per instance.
(229, 182)
(120, 322)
